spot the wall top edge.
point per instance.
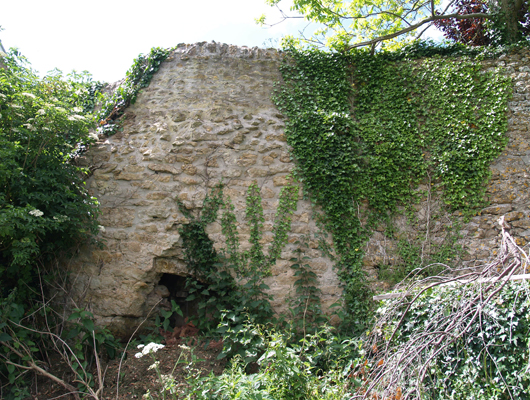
(208, 49)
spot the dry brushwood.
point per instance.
(400, 369)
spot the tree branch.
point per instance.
(416, 26)
(33, 366)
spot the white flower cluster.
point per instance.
(150, 348)
(153, 366)
(36, 213)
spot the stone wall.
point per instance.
(507, 191)
(207, 116)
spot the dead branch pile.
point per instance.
(406, 357)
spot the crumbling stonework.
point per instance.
(207, 116)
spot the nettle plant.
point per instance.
(366, 130)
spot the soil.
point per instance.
(136, 378)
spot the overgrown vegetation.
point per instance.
(44, 206)
(137, 78)
(343, 25)
(229, 284)
(45, 211)
(366, 130)
(461, 334)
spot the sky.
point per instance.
(105, 36)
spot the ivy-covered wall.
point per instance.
(207, 115)
(474, 233)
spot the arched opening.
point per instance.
(176, 286)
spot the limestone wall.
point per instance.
(206, 116)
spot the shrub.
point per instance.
(44, 206)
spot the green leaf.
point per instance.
(88, 324)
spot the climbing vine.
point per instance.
(231, 279)
(366, 130)
(137, 78)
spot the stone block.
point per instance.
(499, 209)
(282, 181)
(117, 217)
(163, 168)
(122, 176)
(258, 172)
(156, 195)
(246, 160)
(189, 169)
(231, 173)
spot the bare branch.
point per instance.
(405, 365)
(33, 366)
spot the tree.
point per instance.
(472, 31)
(346, 24)
(482, 32)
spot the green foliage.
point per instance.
(11, 335)
(44, 206)
(87, 335)
(365, 130)
(315, 98)
(254, 262)
(233, 280)
(45, 210)
(342, 25)
(211, 284)
(242, 337)
(86, 341)
(137, 78)
(166, 316)
(287, 370)
(168, 384)
(305, 306)
(490, 361)
(446, 116)
(342, 22)
(415, 253)
(24, 344)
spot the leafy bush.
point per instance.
(44, 206)
(287, 370)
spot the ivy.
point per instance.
(366, 130)
(419, 117)
(305, 305)
(138, 77)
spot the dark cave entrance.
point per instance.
(176, 285)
